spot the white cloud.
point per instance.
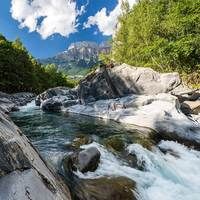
(46, 17)
(107, 23)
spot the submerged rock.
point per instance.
(115, 142)
(105, 188)
(80, 140)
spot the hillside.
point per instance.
(79, 57)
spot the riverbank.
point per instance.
(21, 163)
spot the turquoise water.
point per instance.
(174, 175)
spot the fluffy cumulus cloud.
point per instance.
(107, 22)
(47, 17)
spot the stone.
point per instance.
(84, 161)
(191, 107)
(123, 80)
(79, 141)
(115, 142)
(63, 92)
(105, 188)
(52, 104)
(11, 102)
(88, 159)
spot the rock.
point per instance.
(10, 102)
(194, 106)
(123, 80)
(63, 92)
(115, 142)
(52, 104)
(84, 161)
(88, 159)
(158, 112)
(105, 188)
(23, 173)
(79, 141)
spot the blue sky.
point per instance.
(96, 29)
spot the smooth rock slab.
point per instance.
(159, 112)
(25, 185)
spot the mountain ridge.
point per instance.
(79, 57)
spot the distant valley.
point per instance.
(78, 58)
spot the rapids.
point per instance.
(169, 171)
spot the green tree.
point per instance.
(164, 34)
(21, 72)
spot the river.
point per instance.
(170, 174)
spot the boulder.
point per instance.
(52, 104)
(23, 173)
(88, 159)
(105, 188)
(84, 161)
(123, 80)
(70, 94)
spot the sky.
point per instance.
(47, 27)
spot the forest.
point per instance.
(161, 34)
(21, 72)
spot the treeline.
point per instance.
(163, 34)
(19, 71)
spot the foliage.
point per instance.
(21, 72)
(164, 34)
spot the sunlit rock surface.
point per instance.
(160, 112)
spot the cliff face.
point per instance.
(78, 57)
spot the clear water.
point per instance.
(174, 175)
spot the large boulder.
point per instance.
(122, 80)
(23, 173)
(84, 161)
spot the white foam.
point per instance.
(28, 107)
(170, 176)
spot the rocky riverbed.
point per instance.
(149, 155)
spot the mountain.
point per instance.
(79, 57)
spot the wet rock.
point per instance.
(80, 140)
(158, 112)
(191, 107)
(84, 161)
(115, 143)
(10, 102)
(105, 188)
(88, 159)
(52, 104)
